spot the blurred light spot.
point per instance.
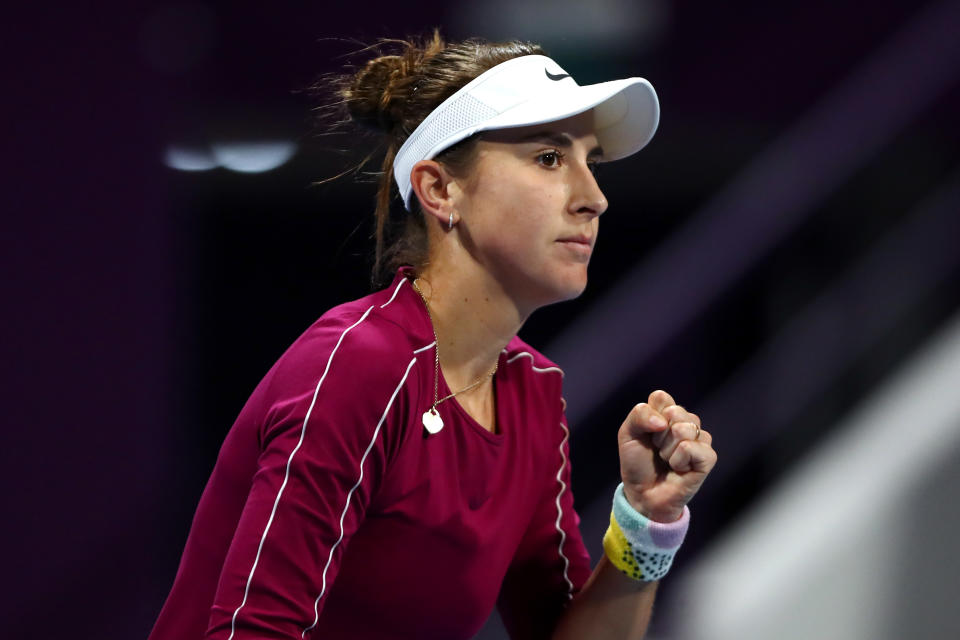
(187, 159)
(243, 157)
(253, 157)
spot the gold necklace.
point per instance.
(432, 421)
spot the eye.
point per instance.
(550, 159)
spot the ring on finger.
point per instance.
(697, 436)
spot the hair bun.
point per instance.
(376, 96)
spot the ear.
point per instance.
(434, 188)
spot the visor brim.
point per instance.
(627, 113)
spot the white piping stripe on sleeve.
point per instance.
(346, 506)
(395, 291)
(537, 369)
(563, 464)
(426, 347)
(286, 477)
(563, 534)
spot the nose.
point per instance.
(586, 196)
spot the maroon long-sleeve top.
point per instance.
(331, 513)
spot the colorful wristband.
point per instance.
(639, 547)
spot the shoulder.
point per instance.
(536, 378)
(362, 344)
(521, 356)
(536, 384)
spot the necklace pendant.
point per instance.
(432, 421)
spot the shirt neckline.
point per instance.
(499, 390)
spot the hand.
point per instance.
(663, 462)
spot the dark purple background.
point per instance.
(143, 304)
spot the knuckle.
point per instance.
(679, 458)
(681, 430)
(676, 412)
(660, 396)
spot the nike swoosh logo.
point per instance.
(559, 76)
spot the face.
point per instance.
(530, 208)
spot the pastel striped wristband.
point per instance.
(639, 547)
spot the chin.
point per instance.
(549, 285)
(570, 286)
(576, 291)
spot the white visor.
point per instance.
(532, 90)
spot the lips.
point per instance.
(581, 239)
(580, 246)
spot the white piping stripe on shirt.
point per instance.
(537, 369)
(286, 477)
(400, 284)
(323, 588)
(425, 348)
(563, 487)
(563, 464)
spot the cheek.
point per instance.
(525, 224)
(531, 204)
(514, 216)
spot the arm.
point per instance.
(323, 451)
(610, 605)
(664, 458)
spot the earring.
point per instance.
(450, 222)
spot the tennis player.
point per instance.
(404, 467)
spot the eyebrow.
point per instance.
(561, 140)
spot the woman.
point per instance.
(404, 467)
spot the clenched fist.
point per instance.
(664, 457)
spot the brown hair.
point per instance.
(392, 94)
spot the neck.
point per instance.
(473, 317)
